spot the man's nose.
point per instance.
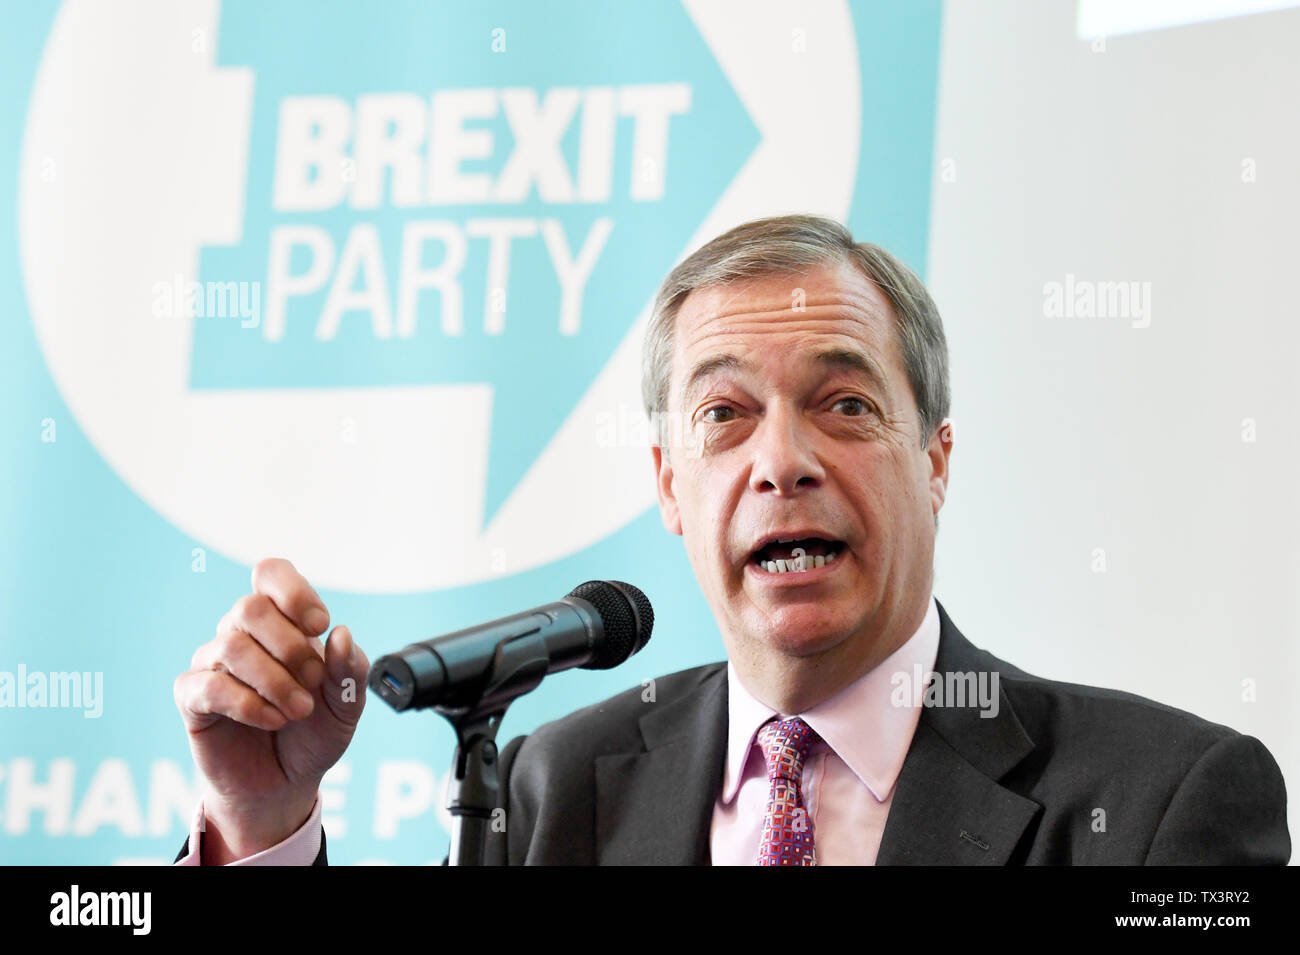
(784, 458)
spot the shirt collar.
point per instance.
(860, 724)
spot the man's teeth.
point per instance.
(798, 562)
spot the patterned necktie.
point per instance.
(787, 830)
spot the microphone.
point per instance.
(597, 626)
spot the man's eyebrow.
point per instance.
(708, 366)
(850, 359)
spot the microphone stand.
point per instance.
(518, 666)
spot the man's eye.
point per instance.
(854, 406)
(725, 413)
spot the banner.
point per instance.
(364, 287)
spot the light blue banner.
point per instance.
(305, 280)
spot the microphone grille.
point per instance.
(626, 616)
(645, 613)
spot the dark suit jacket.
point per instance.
(626, 781)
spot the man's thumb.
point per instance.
(346, 667)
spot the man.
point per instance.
(804, 382)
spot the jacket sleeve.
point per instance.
(1230, 809)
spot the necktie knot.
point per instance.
(785, 745)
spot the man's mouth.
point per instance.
(796, 555)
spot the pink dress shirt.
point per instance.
(848, 777)
(298, 849)
(849, 774)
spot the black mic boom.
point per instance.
(597, 626)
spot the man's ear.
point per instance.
(672, 517)
(938, 452)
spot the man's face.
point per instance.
(801, 423)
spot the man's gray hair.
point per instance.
(791, 244)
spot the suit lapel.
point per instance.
(948, 807)
(656, 807)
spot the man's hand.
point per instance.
(269, 709)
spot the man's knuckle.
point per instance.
(266, 566)
(227, 620)
(255, 608)
(269, 568)
(284, 693)
(240, 608)
(247, 707)
(200, 695)
(232, 646)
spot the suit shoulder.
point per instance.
(1077, 718)
(1179, 789)
(612, 724)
